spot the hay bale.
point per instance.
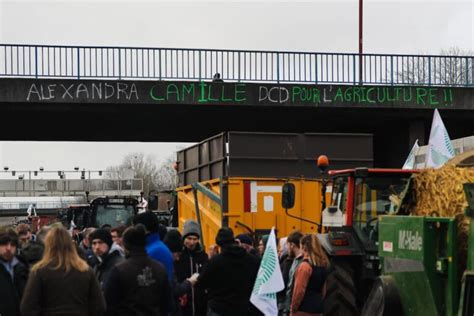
(440, 193)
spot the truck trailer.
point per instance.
(235, 180)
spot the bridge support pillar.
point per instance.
(416, 130)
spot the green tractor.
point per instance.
(427, 266)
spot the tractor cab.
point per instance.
(113, 211)
(359, 197)
(78, 215)
(349, 229)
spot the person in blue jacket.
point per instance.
(155, 248)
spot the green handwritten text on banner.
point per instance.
(251, 94)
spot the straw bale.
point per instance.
(439, 193)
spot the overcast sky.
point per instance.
(316, 26)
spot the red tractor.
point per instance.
(350, 230)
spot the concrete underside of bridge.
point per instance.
(179, 111)
(394, 130)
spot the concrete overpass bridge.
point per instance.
(69, 93)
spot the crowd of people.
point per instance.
(148, 269)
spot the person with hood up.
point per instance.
(13, 273)
(107, 256)
(155, 248)
(192, 259)
(229, 277)
(139, 285)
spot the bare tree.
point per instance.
(155, 178)
(166, 178)
(454, 67)
(141, 166)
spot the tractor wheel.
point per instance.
(384, 299)
(340, 292)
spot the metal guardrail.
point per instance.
(34, 187)
(106, 62)
(39, 205)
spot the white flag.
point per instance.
(29, 210)
(410, 162)
(269, 280)
(72, 226)
(142, 205)
(440, 149)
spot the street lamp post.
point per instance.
(360, 40)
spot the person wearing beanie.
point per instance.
(192, 260)
(246, 241)
(229, 277)
(107, 256)
(225, 237)
(134, 241)
(139, 285)
(191, 227)
(13, 273)
(181, 290)
(162, 231)
(155, 248)
(174, 241)
(149, 220)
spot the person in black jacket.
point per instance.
(181, 291)
(229, 277)
(139, 285)
(32, 252)
(61, 283)
(107, 256)
(13, 273)
(191, 260)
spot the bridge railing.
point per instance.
(94, 62)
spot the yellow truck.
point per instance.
(235, 180)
